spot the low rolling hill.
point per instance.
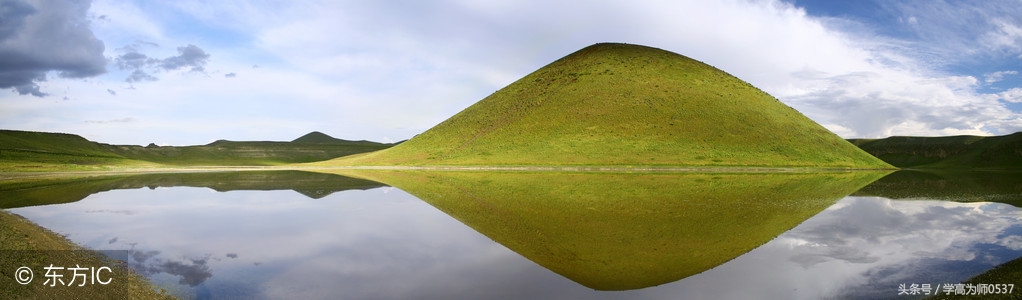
(42, 151)
(947, 152)
(626, 105)
(309, 148)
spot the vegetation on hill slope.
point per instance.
(619, 104)
(231, 153)
(41, 151)
(948, 152)
(317, 137)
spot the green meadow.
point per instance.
(25, 151)
(619, 231)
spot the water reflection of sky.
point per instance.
(384, 243)
(864, 247)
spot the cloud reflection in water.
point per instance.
(384, 243)
(864, 247)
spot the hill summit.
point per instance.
(316, 137)
(620, 104)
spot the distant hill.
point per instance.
(317, 137)
(26, 151)
(620, 104)
(948, 152)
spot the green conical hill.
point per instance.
(317, 137)
(619, 104)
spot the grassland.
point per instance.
(25, 151)
(40, 151)
(617, 231)
(1009, 272)
(618, 104)
(948, 152)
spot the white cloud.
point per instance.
(1013, 95)
(997, 76)
(1007, 36)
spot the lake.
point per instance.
(538, 235)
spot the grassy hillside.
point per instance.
(619, 104)
(231, 153)
(950, 152)
(618, 231)
(41, 151)
(317, 137)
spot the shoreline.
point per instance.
(37, 243)
(12, 175)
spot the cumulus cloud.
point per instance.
(230, 75)
(142, 66)
(37, 37)
(140, 75)
(188, 56)
(892, 102)
(867, 84)
(131, 59)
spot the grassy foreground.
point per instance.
(619, 231)
(619, 104)
(23, 243)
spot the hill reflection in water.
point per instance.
(656, 235)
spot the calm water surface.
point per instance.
(374, 241)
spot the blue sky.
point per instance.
(191, 72)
